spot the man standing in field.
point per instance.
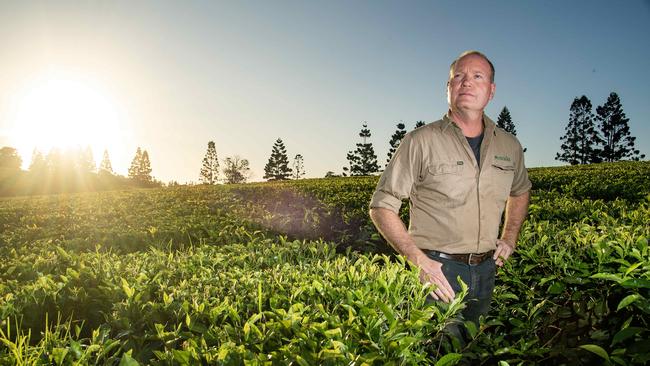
(459, 174)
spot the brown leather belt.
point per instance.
(470, 258)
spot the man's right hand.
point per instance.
(431, 272)
(393, 229)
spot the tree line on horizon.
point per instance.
(236, 169)
(69, 170)
(589, 138)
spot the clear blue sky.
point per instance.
(243, 73)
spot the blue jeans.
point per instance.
(479, 279)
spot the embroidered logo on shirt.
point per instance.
(503, 158)
(459, 162)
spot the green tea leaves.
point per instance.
(628, 300)
(596, 350)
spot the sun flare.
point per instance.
(65, 113)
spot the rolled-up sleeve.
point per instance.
(397, 180)
(520, 184)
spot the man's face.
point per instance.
(469, 87)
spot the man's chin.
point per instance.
(465, 107)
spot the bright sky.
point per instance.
(170, 76)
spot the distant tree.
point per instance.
(363, 160)
(615, 139)
(37, 172)
(145, 168)
(10, 160)
(331, 174)
(298, 167)
(579, 141)
(62, 171)
(419, 124)
(277, 168)
(395, 140)
(236, 170)
(54, 159)
(59, 162)
(105, 167)
(140, 169)
(505, 121)
(10, 163)
(10, 172)
(38, 165)
(134, 169)
(85, 161)
(210, 169)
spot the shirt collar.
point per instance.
(488, 124)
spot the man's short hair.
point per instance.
(468, 53)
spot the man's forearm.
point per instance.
(392, 228)
(516, 212)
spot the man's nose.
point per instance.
(465, 81)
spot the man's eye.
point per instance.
(478, 76)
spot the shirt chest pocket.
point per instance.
(444, 182)
(503, 173)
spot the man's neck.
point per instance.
(470, 122)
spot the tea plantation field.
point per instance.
(295, 273)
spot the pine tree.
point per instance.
(615, 138)
(419, 124)
(105, 167)
(236, 170)
(134, 169)
(363, 160)
(298, 167)
(145, 168)
(140, 169)
(505, 121)
(277, 168)
(210, 169)
(395, 140)
(578, 146)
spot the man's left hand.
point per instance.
(504, 250)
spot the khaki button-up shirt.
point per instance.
(456, 205)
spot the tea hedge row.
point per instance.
(606, 181)
(268, 301)
(576, 291)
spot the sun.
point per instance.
(65, 113)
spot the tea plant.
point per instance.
(295, 273)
